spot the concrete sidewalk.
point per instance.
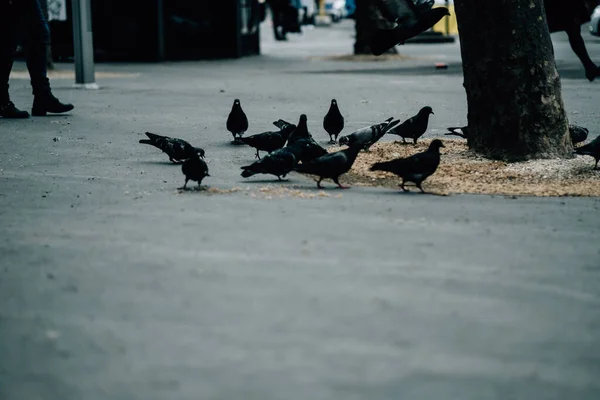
(113, 285)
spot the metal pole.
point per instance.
(83, 45)
(160, 28)
(447, 19)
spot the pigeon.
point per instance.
(578, 133)
(269, 141)
(369, 135)
(331, 165)
(591, 149)
(414, 127)
(194, 169)
(462, 132)
(237, 122)
(384, 39)
(282, 124)
(311, 151)
(415, 168)
(301, 130)
(333, 122)
(279, 163)
(178, 150)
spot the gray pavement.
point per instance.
(113, 285)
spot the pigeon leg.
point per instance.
(402, 186)
(596, 166)
(319, 182)
(257, 155)
(184, 187)
(415, 140)
(403, 140)
(336, 180)
(418, 184)
(331, 141)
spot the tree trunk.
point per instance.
(367, 17)
(515, 106)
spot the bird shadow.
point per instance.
(193, 189)
(263, 181)
(154, 162)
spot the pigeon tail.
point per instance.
(386, 166)
(247, 172)
(147, 141)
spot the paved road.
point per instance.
(113, 285)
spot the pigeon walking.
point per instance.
(269, 141)
(237, 122)
(415, 168)
(414, 127)
(591, 149)
(333, 122)
(194, 169)
(369, 135)
(178, 150)
(331, 165)
(279, 163)
(301, 130)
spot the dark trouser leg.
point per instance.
(8, 44)
(578, 46)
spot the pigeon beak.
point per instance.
(433, 112)
(207, 174)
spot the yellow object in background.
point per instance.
(452, 25)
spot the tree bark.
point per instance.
(515, 106)
(367, 17)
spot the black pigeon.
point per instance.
(311, 151)
(282, 124)
(194, 169)
(369, 135)
(462, 131)
(414, 127)
(333, 122)
(591, 149)
(301, 130)
(415, 168)
(279, 163)
(269, 141)
(178, 150)
(578, 133)
(237, 122)
(331, 165)
(384, 39)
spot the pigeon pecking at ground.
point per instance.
(578, 133)
(369, 135)
(269, 141)
(415, 168)
(414, 127)
(237, 121)
(178, 150)
(591, 149)
(194, 169)
(301, 130)
(331, 165)
(333, 122)
(279, 163)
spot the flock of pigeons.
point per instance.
(292, 148)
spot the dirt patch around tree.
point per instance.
(462, 171)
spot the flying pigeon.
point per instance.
(333, 122)
(369, 135)
(331, 165)
(414, 127)
(178, 150)
(237, 122)
(415, 168)
(279, 163)
(194, 169)
(591, 149)
(268, 141)
(301, 130)
(384, 39)
(462, 131)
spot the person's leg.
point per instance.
(36, 40)
(578, 45)
(8, 44)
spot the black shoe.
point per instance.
(8, 110)
(384, 39)
(44, 103)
